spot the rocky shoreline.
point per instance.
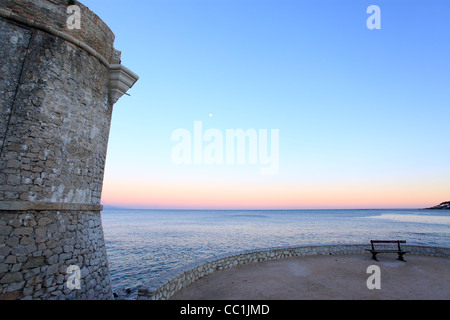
(442, 206)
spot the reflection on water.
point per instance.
(146, 244)
(414, 218)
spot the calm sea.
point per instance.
(146, 244)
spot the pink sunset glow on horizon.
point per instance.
(245, 197)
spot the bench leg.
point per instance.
(400, 257)
(374, 256)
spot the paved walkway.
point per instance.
(326, 277)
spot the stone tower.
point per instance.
(58, 86)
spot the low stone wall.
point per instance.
(165, 288)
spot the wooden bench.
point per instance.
(397, 250)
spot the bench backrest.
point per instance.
(387, 241)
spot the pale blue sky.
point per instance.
(354, 106)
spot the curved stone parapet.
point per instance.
(51, 16)
(163, 289)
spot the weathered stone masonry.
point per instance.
(57, 91)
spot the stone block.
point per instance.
(11, 277)
(34, 262)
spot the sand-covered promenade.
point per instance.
(326, 277)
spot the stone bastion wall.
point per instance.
(164, 288)
(57, 91)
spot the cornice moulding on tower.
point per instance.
(121, 79)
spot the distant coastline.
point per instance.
(442, 206)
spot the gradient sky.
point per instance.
(363, 115)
